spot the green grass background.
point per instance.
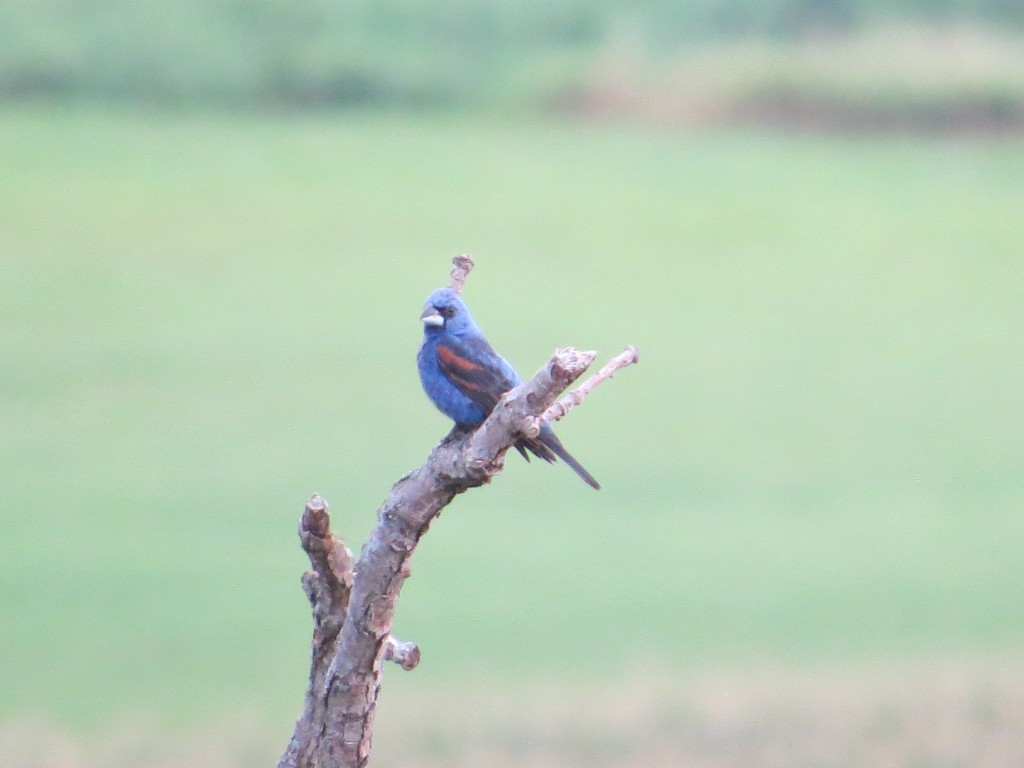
(203, 319)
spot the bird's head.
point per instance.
(444, 311)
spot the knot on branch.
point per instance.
(455, 465)
(404, 654)
(527, 426)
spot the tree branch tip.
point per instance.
(316, 519)
(569, 362)
(462, 265)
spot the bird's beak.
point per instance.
(431, 317)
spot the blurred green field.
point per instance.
(205, 319)
(531, 55)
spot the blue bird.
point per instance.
(465, 378)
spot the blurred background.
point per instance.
(218, 222)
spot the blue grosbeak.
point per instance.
(464, 377)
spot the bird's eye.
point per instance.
(446, 311)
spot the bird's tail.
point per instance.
(547, 446)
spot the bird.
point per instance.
(465, 378)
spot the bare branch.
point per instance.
(328, 587)
(463, 264)
(354, 606)
(460, 462)
(574, 398)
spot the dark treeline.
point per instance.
(398, 52)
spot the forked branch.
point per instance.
(558, 410)
(353, 606)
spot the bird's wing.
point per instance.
(476, 370)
